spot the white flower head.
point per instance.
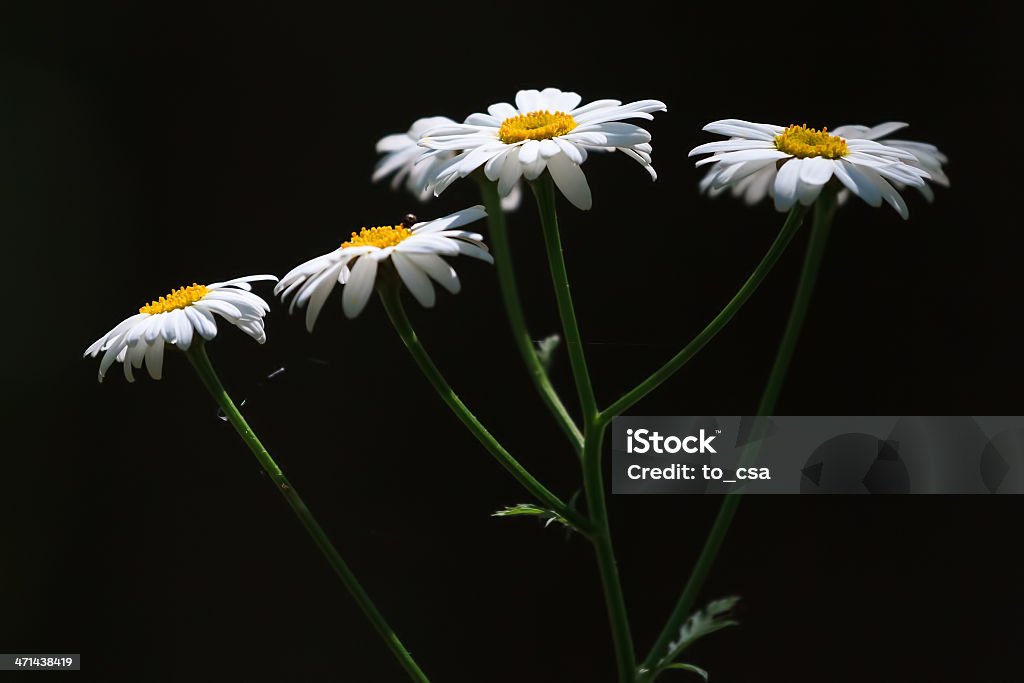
(406, 161)
(176, 318)
(546, 129)
(415, 252)
(760, 184)
(794, 163)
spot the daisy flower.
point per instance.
(545, 129)
(175, 319)
(759, 184)
(414, 251)
(417, 166)
(797, 162)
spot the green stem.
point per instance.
(593, 482)
(544, 191)
(201, 362)
(593, 435)
(390, 296)
(789, 229)
(514, 310)
(823, 211)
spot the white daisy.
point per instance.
(417, 166)
(415, 252)
(798, 161)
(175, 318)
(759, 184)
(545, 129)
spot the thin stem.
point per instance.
(544, 191)
(201, 362)
(824, 209)
(593, 482)
(514, 310)
(789, 229)
(390, 296)
(823, 212)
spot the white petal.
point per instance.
(730, 146)
(155, 358)
(570, 150)
(502, 111)
(359, 286)
(415, 279)
(243, 282)
(453, 220)
(438, 269)
(511, 171)
(184, 329)
(816, 171)
(742, 155)
(202, 320)
(322, 288)
(571, 181)
(785, 184)
(744, 129)
(858, 182)
(548, 148)
(554, 99)
(529, 101)
(528, 152)
(482, 120)
(533, 171)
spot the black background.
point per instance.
(142, 148)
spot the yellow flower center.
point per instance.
(537, 125)
(803, 142)
(384, 236)
(178, 298)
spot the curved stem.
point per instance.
(789, 229)
(201, 362)
(823, 211)
(390, 296)
(514, 310)
(593, 482)
(544, 191)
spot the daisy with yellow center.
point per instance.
(760, 184)
(175, 319)
(794, 163)
(415, 252)
(545, 130)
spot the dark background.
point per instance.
(145, 148)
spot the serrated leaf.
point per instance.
(689, 667)
(712, 618)
(529, 510)
(546, 349)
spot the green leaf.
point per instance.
(689, 667)
(546, 349)
(712, 618)
(529, 510)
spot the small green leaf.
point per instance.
(529, 510)
(712, 618)
(546, 349)
(689, 667)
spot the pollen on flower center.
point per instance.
(537, 125)
(380, 237)
(178, 298)
(803, 142)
